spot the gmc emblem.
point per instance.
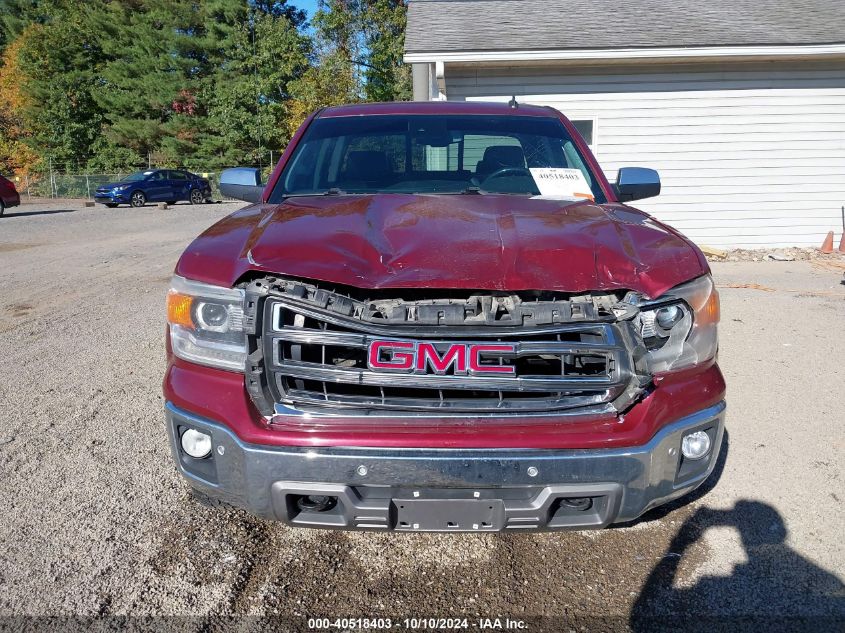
(412, 357)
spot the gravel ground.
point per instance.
(95, 520)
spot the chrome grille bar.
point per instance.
(362, 341)
(491, 405)
(421, 331)
(353, 376)
(595, 367)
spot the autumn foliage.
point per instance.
(104, 85)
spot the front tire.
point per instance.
(138, 199)
(197, 197)
(2, 208)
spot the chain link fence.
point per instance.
(56, 184)
(83, 186)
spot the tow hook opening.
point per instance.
(581, 504)
(315, 503)
(579, 511)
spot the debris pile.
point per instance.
(790, 254)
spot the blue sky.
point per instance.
(310, 6)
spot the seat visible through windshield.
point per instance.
(429, 154)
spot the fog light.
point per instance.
(196, 444)
(695, 445)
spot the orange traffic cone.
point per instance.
(842, 243)
(827, 245)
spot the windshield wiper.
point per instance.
(478, 191)
(332, 191)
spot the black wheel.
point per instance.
(2, 208)
(197, 197)
(111, 205)
(138, 199)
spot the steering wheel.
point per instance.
(507, 171)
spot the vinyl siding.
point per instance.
(749, 155)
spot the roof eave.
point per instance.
(789, 51)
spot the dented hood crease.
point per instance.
(489, 242)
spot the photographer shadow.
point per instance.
(776, 589)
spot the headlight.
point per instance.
(206, 324)
(121, 188)
(680, 328)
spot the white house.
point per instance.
(739, 104)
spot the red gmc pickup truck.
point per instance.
(442, 316)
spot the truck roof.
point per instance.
(437, 107)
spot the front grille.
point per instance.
(315, 360)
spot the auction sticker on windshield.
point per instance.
(561, 183)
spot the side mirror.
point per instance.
(636, 183)
(241, 183)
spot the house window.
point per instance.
(586, 128)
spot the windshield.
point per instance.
(138, 175)
(431, 154)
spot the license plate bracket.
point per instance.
(449, 515)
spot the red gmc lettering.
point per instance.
(475, 359)
(423, 358)
(456, 355)
(399, 361)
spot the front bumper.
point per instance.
(110, 198)
(448, 489)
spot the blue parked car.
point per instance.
(155, 185)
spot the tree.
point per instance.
(331, 78)
(15, 155)
(112, 84)
(280, 9)
(260, 52)
(387, 77)
(155, 64)
(369, 36)
(17, 15)
(60, 61)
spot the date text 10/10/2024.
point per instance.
(411, 624)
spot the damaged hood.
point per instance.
(479, 242)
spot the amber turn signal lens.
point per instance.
(710, 312)
(179, 309)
